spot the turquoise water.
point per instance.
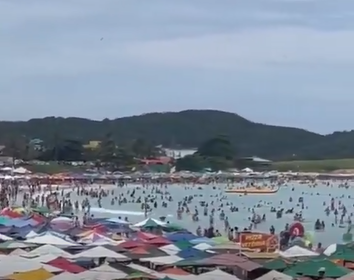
(313, 200)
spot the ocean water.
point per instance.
(313, 197)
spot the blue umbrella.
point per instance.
(181, 236)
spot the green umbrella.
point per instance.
(221, 240)
(183, 245)
(172, 227)
(11, 244)
(311, 268)
(276, 264)
(346, 255)
(41, 210)
(150, 223)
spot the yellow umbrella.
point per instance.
(38, 274)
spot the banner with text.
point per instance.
(259, 241)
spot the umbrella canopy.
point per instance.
(52, 239)
(181, 236)
(201, 240)
(151, 222)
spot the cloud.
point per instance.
(250, 49)
(276, 61)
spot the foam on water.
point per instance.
(118, 212)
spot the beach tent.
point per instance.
(202, 246)
(108, 273)
(277, 264)
(297, 252)
(97, 239)
(170, 249)
(145, 269)
(183, 244)
(66, 265)
(42, 258)
(17, 252)
(5, 237)
(218, 274)
(333, 248)
(158, 241)
(192, 253)
(162, 260)
(16, 264)
(117, 221)
(247, 170)
(145, 235)
(47, 249)
(129, 244)
(311, 267)
(21, 170)
(104, 268)
(175, 271)
(38, 274)
(52, 239)
(11, 244)
(275, 275)
(31, 234)
(103, 241)
(100, 252)
(62, 276)
(151, 222)
(170, 227)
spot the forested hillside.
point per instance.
(188, 129)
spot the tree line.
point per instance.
(217, 153)
(186, 129)
(107, 153)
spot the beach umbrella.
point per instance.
(61, 224)
(61, 220)
(181, 236)
(158, 241)
(5, 237)
(9, 212)
(202, 240)
(183, 244)
(130, 244)
(146, 236)
(117, 221)
(170, 227)
(151, 224)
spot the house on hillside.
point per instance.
(92, 145)
(37, 144)
(156, 165)
(254, 162)
(178, 153)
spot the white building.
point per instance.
(178, 153)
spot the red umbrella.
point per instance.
(158, 241)
(8, 212)
(130, 244)
(146, 236)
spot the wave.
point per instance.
(121, 212)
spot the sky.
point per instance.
(281, 62)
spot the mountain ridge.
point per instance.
(189, 128)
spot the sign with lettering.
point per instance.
(260, 241)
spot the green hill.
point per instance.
(190, 128)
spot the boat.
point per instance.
(253, 190)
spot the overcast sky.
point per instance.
(283, 62)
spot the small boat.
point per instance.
(252, 190)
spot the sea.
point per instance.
(315, 198)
